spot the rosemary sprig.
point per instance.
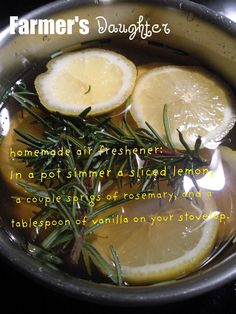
(82, 132)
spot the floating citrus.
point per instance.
(98, 78)
(198, 103)
(160, 242)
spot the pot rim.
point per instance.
(199, 10)
(188, 287)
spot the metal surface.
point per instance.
(195, 30)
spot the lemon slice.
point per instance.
(98, 78)
(161, 250)
(198, 103)
(226, 198)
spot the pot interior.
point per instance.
(195, 32)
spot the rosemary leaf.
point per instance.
(101, 263)
(167, 128)
(197, 146)
(194, 182)
(32, 189)
(1, 138)
(29, 138)
(26, 93)
(63, 241)
(87, 262)
(85, 113)
(73, 127)
(27, 144)
(117, 266)
(43, 255)
(91, 157)
(36, 116)
(156, 135)
(106, 206)
(94, 227)
(132, 132)
(25, 100)
(48, 242)
(184, 143)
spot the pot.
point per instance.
(195, 30)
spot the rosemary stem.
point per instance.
(77, 246)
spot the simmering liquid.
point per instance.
(222, 198)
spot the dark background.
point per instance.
(25, 295)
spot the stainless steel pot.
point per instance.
(194, 29)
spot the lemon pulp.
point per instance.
(166, 248)
(98, 78)
(198, 103)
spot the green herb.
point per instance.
(185, 145)
(44, 255)
(167, 128)
(101, 263)
(117, 266)
(197, 146)
(84, 132)
(1, 139)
